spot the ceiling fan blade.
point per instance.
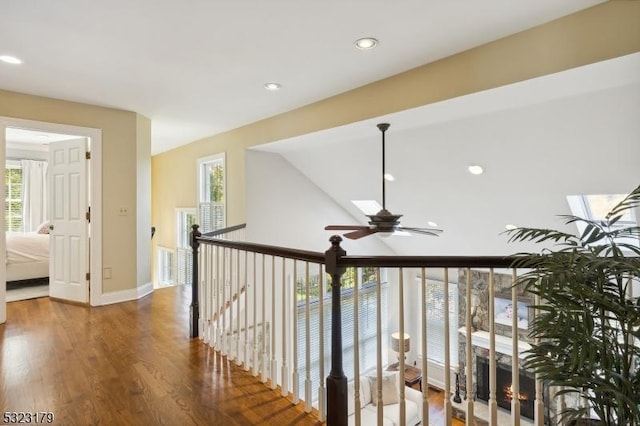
(424, 231)
(344, 227)
(360, 233)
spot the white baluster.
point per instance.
(447, 352)
(274, 363)
(470, 419)
(307, 383)
(247, 347)
(202, 291)
(219, 299)
(322, 412)
(423, 348)
(285, 366)
(238, 293)
(296, 375)
(515, 361)
(255, 317)
(493, 403)
(265, 358)
(356, 348)
(223, 311)
(379, 347)
(403, 403)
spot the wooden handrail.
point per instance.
(360, 261)
(304, 255)
(224, 230)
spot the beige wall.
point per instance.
(603, 32)
(121, 133)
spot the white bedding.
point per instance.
(27, 247)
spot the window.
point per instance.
(165, 267)
(212, 193)
(184, 261)
(367, 313)
(435, 321)
(13, 196)
(596, 206)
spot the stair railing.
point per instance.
(256, 304)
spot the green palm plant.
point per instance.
(587, 320)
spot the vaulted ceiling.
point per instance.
(571, 133)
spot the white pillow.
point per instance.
(43, 228)
(389, 389)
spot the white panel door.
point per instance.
(69, 259)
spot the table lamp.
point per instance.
(400, 345)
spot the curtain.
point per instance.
(34, 194)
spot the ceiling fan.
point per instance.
(383, 221)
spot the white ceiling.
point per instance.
(575, 132)
(197, 67)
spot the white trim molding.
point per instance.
(126, 295)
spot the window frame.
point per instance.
(203, 195)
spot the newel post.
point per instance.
(336, 381)
(194, 308)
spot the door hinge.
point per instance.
(88, 215)
(87, 155)
(88, 276)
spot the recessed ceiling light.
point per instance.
(10, 59)
(389, 177)
(475, 169)
(510, 227)
(366, 43)
(432, 224)
(272, 86)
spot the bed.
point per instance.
(27, 255)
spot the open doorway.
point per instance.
(62, 148)
(28, 209)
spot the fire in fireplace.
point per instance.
(504, 390)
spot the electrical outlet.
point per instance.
(123, 211)
(106, 273)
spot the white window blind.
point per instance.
(185, 218)
(367, 312)
(184, 267)
(13, 197)
(435, 321)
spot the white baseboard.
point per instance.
(436, 375)
(126, 295)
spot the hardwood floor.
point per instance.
(131, 364)
(127, 364)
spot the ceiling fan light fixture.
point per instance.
(366, 43)
(383, 222)
(475, 169)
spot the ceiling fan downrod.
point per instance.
(383, 128)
